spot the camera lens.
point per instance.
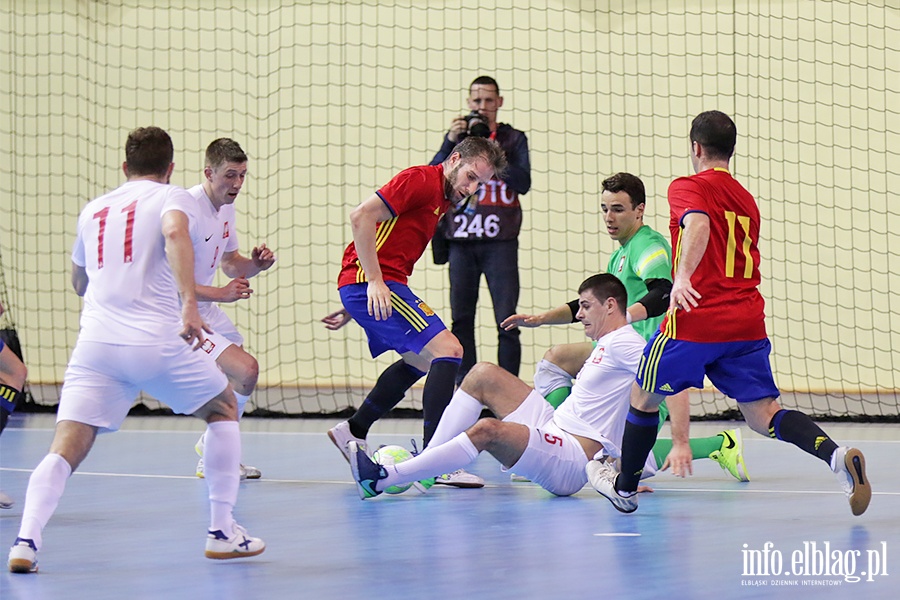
(477, 126)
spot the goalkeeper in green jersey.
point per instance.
(643, 262)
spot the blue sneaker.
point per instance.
(366, 472)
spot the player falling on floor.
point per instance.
(643, 262)
(550, 447)
(215, 240)
(391, 230)
(715, 325)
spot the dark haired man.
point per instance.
(140, 328)
(551, 447)
(715, 325)
(643, 263)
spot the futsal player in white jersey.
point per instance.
(549, 447)
(215, 242)
(140, 329)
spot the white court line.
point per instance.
(617, 535)
(193, 477)
(487, 485)
(376, 434)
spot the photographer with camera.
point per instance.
(481, 234)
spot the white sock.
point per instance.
(221, 468)
(548, 378)
(462, 412)
(45, 488)
(446, 458)
(241, 402)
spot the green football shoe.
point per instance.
(731, 455)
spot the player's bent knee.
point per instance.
(484, 433)
(248, 376)
(480, 373)
(445, 345)
(553, 354)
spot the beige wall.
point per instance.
(330, 99)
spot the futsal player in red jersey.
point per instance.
(390, 232)
(715, 326)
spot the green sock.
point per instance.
(700, 448)
(558, 396)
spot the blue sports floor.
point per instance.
(133, 519)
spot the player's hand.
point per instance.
(193, 326)
(262, 257)
(457, 127)
(379, 305)
(679, 459)
(236, 289)
(520, 320)
(644, 489)
(683, 295)
(337, 319)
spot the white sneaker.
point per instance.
(6, 501)
(849, 466)
(239, 545)
(461, 479)
(22, 557)
(340, 436)
(247, 472)
(602, 476)
(518, 478)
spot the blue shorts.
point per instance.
(410, 327)
(740, 370)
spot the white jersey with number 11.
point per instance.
(131, 298)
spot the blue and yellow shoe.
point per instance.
(366, 472)
(731, 455)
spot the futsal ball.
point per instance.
(389, 455)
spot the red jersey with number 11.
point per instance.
(416, 199)
(731, 308)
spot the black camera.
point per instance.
(476, 125)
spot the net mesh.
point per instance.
(331, 98)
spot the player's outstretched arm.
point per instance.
(337, 319)
(560, 315)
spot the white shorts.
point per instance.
(224, 332)
(553, 459)
(102, 380)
